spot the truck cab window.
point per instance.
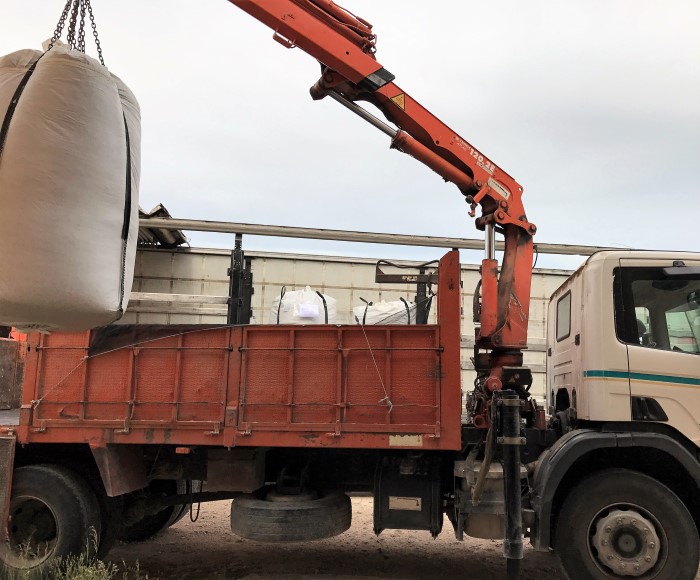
(658, 310)
(564, 317)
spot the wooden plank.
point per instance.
(182, 298)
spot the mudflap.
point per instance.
(7, 458)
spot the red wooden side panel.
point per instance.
(167, 380)
(61, 375)
(341, 378)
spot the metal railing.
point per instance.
(353, 236)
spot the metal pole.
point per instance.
(366, 115)
(490, 242)
(509, 407)
(350, 236)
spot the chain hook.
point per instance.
(76, 28)
(61, 23)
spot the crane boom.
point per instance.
(345, 46)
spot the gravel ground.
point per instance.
(207, 549)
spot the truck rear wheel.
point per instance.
(290, 519)
(53, 513)
(620, 523)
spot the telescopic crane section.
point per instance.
(345, 46)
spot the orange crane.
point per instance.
(345, 46)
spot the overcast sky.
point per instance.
(593, 106)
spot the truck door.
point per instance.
(658, 318)
(563, 341)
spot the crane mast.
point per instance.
(345, 47)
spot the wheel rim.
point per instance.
(33, 533)
(626, 540)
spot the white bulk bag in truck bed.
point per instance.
(394, 312)
(303, 307)
(69, 173)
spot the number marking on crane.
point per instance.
(481, 161)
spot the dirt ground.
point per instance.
(207, 549)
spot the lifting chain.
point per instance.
(76, 28)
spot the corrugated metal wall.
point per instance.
(204, 272)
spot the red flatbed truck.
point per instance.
(116, 425)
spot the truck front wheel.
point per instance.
(620, 523)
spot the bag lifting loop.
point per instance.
(71, 11)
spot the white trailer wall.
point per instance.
(203, 272)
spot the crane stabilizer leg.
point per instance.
(509, 409)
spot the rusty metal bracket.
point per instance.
(230, 417)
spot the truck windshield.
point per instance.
(658, 311)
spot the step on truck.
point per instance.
(120, 428)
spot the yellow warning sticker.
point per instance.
(400, 101)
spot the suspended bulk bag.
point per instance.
(303, 307)
(394, 312)
(69, 171)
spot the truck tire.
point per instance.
(111, 509)
(619, 523)
(54, 513)
(291, 521)
(152, 524)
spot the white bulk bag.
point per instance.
(394, 312)
(302, 307)
(68, 196)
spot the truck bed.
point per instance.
(344, 386)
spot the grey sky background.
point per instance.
(593, 106)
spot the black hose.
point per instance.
(325, 306)
(279, 306)
(408, 308)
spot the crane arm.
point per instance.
(345, 46)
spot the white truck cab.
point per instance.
(618, 494)
(624, 341)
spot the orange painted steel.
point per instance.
(343, 386)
